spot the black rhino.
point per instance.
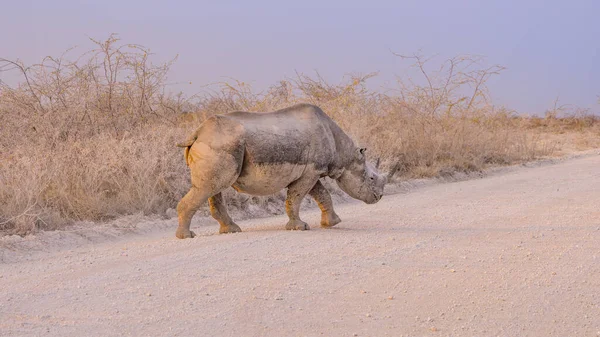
(263, 153)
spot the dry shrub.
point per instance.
(444, 125)
(564, 118)
(94, 138)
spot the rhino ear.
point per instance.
(361, 153)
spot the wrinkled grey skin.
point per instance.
(263, 153)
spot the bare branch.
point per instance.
(19, 65)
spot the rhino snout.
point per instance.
(374, 198)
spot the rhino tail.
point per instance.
(187, 144)
(186, 156)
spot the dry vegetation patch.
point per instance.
(93, 138)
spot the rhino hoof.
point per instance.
(183, 234)
(330, 221)
(230, 229)
(297, 225)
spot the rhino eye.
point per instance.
(372, 178)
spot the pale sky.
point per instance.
(551, 48)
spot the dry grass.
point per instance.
(94, 138)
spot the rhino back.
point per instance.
(298, 135)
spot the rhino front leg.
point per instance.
(218, 210)
(295, 193)
(328, 216)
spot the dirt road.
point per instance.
(515, 254)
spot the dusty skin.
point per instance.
(264, 153)
(513, 254)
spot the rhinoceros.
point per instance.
(263, 153)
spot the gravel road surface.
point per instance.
(513, 254)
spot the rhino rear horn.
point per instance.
(377, 163)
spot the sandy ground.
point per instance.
(514, 254)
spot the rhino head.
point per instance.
(361, 180)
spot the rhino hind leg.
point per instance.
(328, 216)
(296, 192)
(212, 170)
(218, 210)
(186, 208)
